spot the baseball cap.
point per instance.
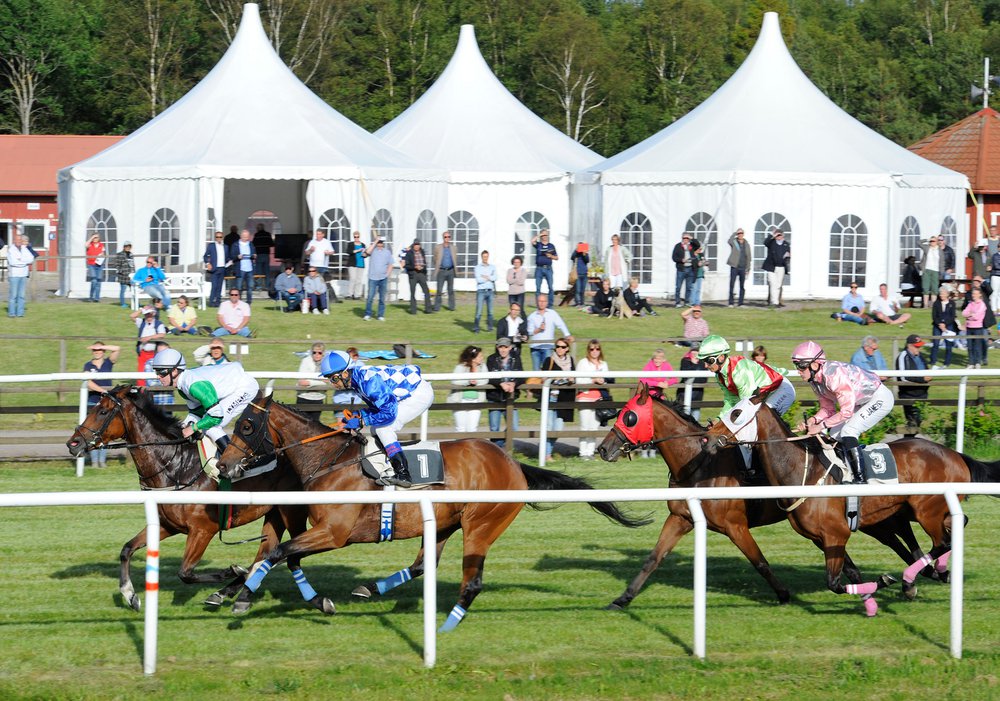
(148, 310)
(504, 341)
(127, 243)
(915, 340)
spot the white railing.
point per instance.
(426, 499)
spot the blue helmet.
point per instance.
(334, 362)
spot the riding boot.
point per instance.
(855, 459)
(402, 477)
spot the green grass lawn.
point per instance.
(537, 631)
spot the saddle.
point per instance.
(879, 465)
(425, 462)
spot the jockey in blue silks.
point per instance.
(395, 394)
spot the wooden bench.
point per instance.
(191, 285)
(914, 294)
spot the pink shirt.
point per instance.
(974, 314)
(655, 381)
(233, 314)
(845, 387)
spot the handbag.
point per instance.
(573, 276)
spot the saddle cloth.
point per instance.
(879, 464)
(425, 463)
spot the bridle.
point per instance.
(96, 437)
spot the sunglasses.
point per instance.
(163, 372)
(561, 346)
(593, 348)
(234, 294)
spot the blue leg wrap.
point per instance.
(254, 580)
(394, 580)
(308, 593)
(454, 618)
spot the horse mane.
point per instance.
(679, 409)
(162, 421)
(811, 444)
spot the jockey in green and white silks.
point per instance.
(214, 394)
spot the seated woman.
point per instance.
(315, 289)
(636, 302)
(658, 363)
(601, 302)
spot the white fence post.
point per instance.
(152, 586)
(700, 575)
(957, 564)
(81, 461)
(543, 431)
(430, 582)
(960, 418)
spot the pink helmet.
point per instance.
(809, 351)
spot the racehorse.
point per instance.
(791, 461)
(334, 464)
(679, 438)
(165, 460)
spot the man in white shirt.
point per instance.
(234, 316)
(886, 310)
(19, 259)
(542, 325)
(319, 251)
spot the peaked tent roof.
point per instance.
(970, 146)
(468, 122)
(769, 124)
(251, 118)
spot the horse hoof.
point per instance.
(784, 597)
(615, 606)
(886, 580)
(323, 604)
(910, 591)
(944, 577)
(215, 600)
(239, 570)
(241, 607)
(135, 603)
(365, 591)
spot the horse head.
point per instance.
(738, 424)
(104, 422)
(632, 428)
(252, 440)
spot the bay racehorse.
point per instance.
(788, 460)
(678, 438)
(332, 463)
(165, 460)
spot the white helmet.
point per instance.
(169, 359)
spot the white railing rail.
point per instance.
(426, 499)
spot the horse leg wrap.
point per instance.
(258, 574)
(911, 572)
(863, 588)
(942, 562)
(394, 580)
(454, 618)
(871, 606)
(300, 578)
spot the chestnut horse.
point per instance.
(166, 460)
(331, 462)
(679, 438)
(791, 461)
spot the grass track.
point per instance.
(537, 631)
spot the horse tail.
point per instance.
(982, 471)
(540, 478)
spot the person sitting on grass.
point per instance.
(234, 315)
(601, 302)
(635, 301)
(886, 309)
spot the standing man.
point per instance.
(580, 259)
(542, 325)
(151, 278)
(244, 255)
(216, 260)
(739, 264)
(124, 267)
(486, 282)
(263, 242)
(910, 359)
(684, 263)
(930, 264)
(947, 259)
(545, 253)
(356, 267)
(415, 264)
(232, 237)
(504, 388)
(233, 316)
(318, 252)
(20, 256)
(380, 266)
(776, 263)
(980, 260)
(444, 264)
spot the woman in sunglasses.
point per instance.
(851, 400)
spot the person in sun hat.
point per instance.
(910, 359)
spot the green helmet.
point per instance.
(713, 345)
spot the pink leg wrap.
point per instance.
(942, 562)
(863, 588)
(911, 572)
(871, 606)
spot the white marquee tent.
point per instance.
(249, 137)
(767, 150)
(510, 172)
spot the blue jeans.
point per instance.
(157, 291)
(696, 290)
(374, 286)
(293, 300)
(244, 281)
(948, 346)
(245, 332)
(544, 272)
(218, 278)
(517, 299)
(121, 293)
(484, 297)
(96, 275)
(539, 355)
(685, 277)
(495, 416)
(977, 345)
(844, 316)
(555, 424)
(737, 275)
(579, 289)
(15, 297)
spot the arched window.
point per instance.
(464, 230)
(165, 237)
(949, 229)
(338, 230)
(103, 223)
(636, 234)
(528, 225)
(848, 251)
(704, 229)
(427, 235)
(211, 225)
(768, 224)
(382, 226)
(909, 241)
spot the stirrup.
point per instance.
(401, 479)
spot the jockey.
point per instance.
(214, 393)
(851, 400)
(741, 378)
(395, 394)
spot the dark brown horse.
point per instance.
(795, 462)
(165, 460)
(333, 464)
(679, 439)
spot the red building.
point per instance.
(28, 167)
(971, 146)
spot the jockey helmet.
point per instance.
(169, 359)
(808, 353)
(712, 346)
(334, 362)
